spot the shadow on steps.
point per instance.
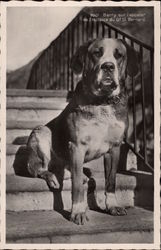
(20, 162)
(20, 140)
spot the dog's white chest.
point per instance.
(101, 131)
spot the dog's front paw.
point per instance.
(78, 215)
(79, 218)
(116, 211)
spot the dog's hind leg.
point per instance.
(39, 145)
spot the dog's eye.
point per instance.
(117, 54)
(98, 52)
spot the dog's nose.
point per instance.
(108, 66)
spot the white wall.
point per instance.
(31, 29)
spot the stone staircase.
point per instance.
(30, 204)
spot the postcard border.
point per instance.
(156, 244)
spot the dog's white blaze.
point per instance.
(110, 200)
(99, 76)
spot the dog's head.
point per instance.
(104, 64)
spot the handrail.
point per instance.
(146, 46)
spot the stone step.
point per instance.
(20, 127)
(35, 99)
(32, 114)
(36, 93)
(19, 130)
(36, 102)
(13, 124)
(34, 110)
(54, 227)
(33, 194)
(19, 135)
(56, 104)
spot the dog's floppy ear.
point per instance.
(78, 58)
(133, 60)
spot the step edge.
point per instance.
(34, 108)
(146, 224)
(131, 180)
(67, 187)
(72, 233)
(36, 105)
(12, 125)
(36, 93)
